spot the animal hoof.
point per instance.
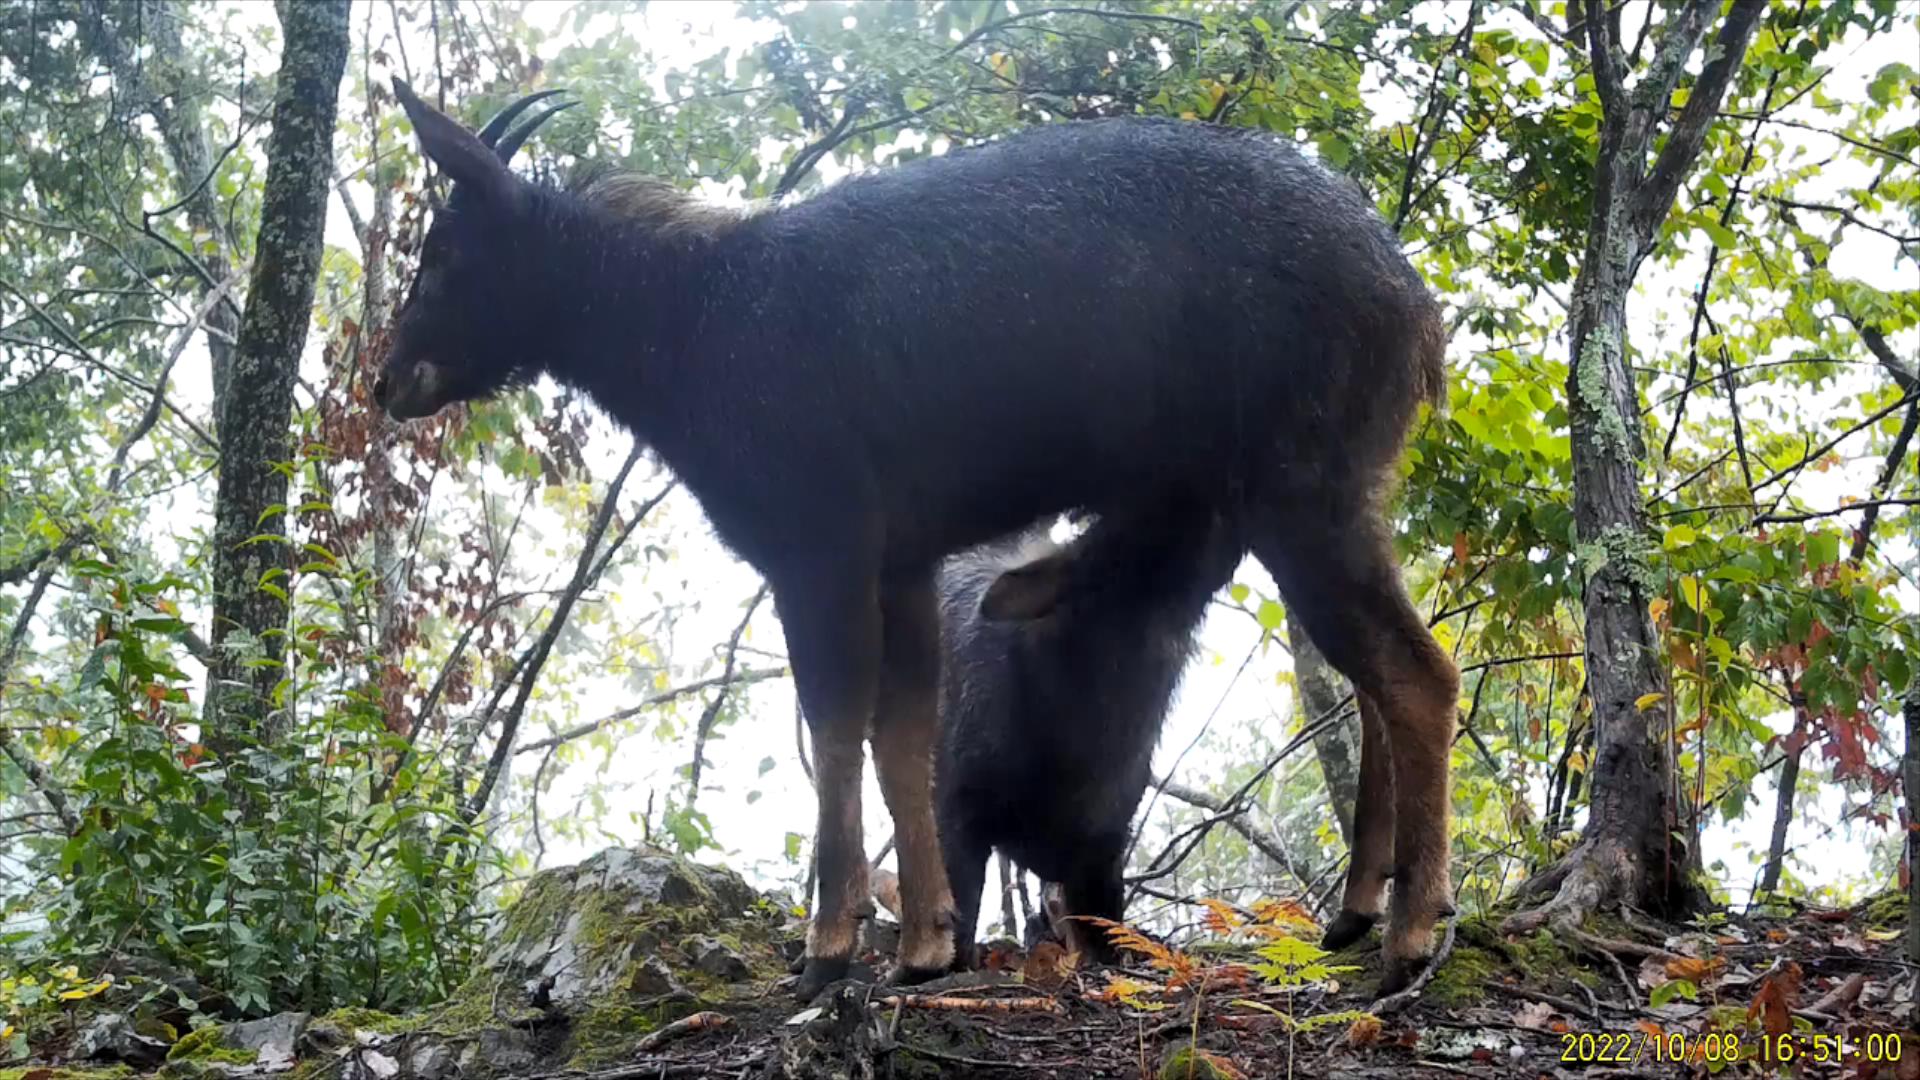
(1400, 975)
(1348, 928)
(903, 975)
(819, 973)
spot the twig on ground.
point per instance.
(962, 1004)
(686, 1025)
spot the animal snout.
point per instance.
(382, 388)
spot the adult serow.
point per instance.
(1058, 663)
(1105, 315)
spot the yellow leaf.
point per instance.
(1221, 919)
(1364, 1032)
(1648, 701)
(1690, 589)
(1657, 607)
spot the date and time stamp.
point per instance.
(1716, 1048)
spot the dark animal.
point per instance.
(1058, 663)
(1106, 315)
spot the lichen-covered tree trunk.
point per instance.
(249, 621)
(1338, 744)
(1629, 851)
(1910, 786)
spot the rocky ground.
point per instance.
(638, 964)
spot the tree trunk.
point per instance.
(249, 612)
(1629, 851)
(1338, 744)
(1910, 786)
(1784, 798)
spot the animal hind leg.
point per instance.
(1338, 571)
(906, 728)
(833, 638)
(1370, 863)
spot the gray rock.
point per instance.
(273, 1040)
(111, 1037)
(433, 1061)
(717, 959)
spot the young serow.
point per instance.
(1108, 315)
(1058, 664)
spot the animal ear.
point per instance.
(1027, 592)
(459, 152)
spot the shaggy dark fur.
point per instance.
(1108, 315)
(1049, 714)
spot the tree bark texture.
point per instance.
(249, 622)
(1784, 798)
(1338, 744)
(1910, 786)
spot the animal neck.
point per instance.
(628, 285)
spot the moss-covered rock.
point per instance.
(596, 956)
(71, 1072)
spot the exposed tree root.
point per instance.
(1589, 879)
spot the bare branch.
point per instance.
(711, 714)
(1864, 504)
(536, 658)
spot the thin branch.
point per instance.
(543, 647)
(711, 714)
(1814, 455)
(1848, 216)
(1896, 458)
(1864, 504)
(1235, 820)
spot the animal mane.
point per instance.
(656, 204)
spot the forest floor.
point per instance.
(642, 965)
(1815, 994)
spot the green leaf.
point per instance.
(1271, 616)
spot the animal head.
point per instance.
(459, 334)
(1168, 555)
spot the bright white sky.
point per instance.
(1218, 696)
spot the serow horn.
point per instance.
(491, 133)
(511, 142)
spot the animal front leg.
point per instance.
(833, 638)
(905, 730)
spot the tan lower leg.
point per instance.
(903, 756)
(842, 858)
(1420, 716)
(1373, 818)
